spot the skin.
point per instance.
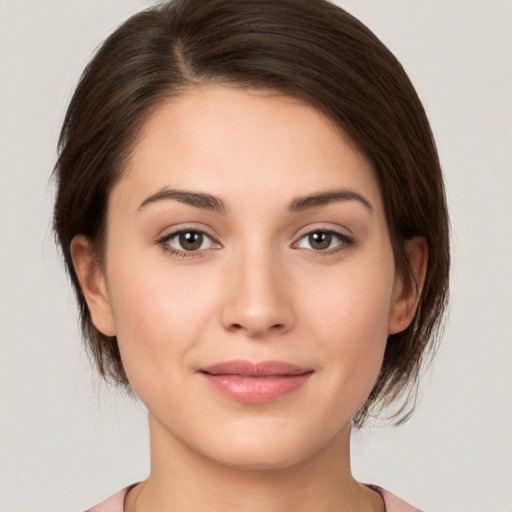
(256, 289)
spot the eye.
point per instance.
(323, 240)
(187, 241)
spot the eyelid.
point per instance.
(163, 240)
(345, 241)
(179, 227)
(326, 225)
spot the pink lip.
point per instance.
(256, 383)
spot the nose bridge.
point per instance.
(258, 299)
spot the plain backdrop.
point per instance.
(68, 441)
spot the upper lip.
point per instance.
(258, 369)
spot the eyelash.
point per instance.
(182, 253)
(344, 243)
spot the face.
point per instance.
(248, 277)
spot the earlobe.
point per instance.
(93, 285)
(406, 296)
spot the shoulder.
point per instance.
(393, 503)
(113, 504)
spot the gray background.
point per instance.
(67, 440)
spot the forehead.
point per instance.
(226, 141)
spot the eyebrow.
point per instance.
(209, 202)
(197, 199)
(324, 198)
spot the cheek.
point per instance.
(159, 313)
(349, 312)
(354, 300)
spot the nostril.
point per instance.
(256, 314)
(257, 330)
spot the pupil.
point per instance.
(320, 240)
(191, 240)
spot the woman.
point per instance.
(252, 213)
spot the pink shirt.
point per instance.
(393, 503)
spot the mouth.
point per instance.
(255, 383)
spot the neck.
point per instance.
(181, 479)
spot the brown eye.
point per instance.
(190, 240)
(324, 240)
(320, 240)
(187, 241)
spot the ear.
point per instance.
(406, 296)
(93, 285)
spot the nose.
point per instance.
(258, 299)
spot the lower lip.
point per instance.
(257, 390)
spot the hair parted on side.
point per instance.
(308, 49)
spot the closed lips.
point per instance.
(262, 369)
(255, 383)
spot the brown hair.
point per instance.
(308, 49)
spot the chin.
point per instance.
(274, 450)
(260, 459)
